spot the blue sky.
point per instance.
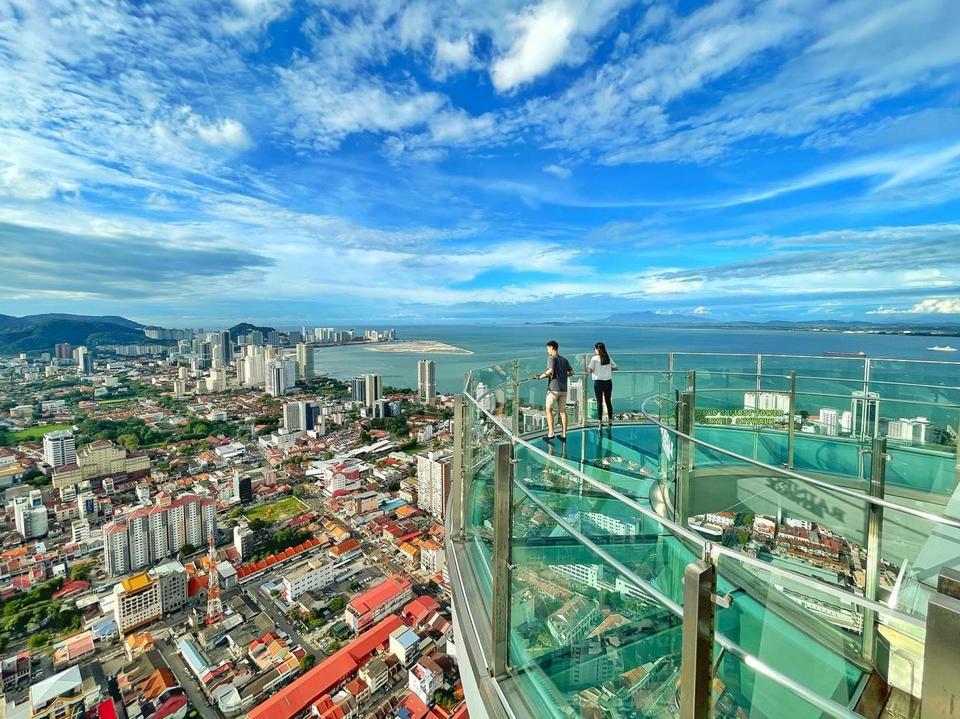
(187, 162)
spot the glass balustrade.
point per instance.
(821, 489)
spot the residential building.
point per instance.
(433, 558)
(768, 401)
(424, 678)
(243, 487)
(99, 459)
(81, 356)
(574, 620)
(373, 605)
(358, 389)
(244, 541)
(427, 381)
(67, 695)
(281, 377)
(307, 361)
(433, 482)
(311, 575)
(59, 448)
(913, 430)
(63, 350)
(137, 602)
(30, 515)
(139, 538)
(301, 416)
(373, 389)
(173, 584)
(830, 421)
(296, 699)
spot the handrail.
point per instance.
(693, 537)
(829, 706)
(791, 474)
(780, 471)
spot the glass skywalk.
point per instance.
(822, 491)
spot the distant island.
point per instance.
(680, 321)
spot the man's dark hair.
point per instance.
(552, 344)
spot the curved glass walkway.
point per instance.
(817, 496)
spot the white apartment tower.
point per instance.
(433, 482)
(59, 448)
(427, 381)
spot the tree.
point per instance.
(38, 640)
(129, 441)
(307, 662)
(80, 571)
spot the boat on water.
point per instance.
(943, 348)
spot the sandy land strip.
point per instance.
(419, 347)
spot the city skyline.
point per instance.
(415, 162)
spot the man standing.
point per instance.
(557, 372)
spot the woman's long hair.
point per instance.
(602, 350)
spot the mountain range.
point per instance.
(39, 333)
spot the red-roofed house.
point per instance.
(333, 672)
(376, 603)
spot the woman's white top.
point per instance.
(601, 371)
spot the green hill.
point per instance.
(39, 333)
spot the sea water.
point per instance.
(494, 344)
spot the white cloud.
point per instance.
(453, 55)
(222, 133)
(929, 306)
(701, 310)
(558, 171)
(546, 35)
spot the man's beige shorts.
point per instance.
(558, 398)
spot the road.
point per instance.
(186, 680)
(282, 622)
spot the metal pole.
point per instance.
(878, 475)
(686, 407)
(940, 693)
(696, 664)
(459, 468)
(791, 427)
(516, 398)
(502, 542)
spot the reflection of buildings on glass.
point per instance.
(913, 431)
(485, 399)
(779, 401)
(865, 414)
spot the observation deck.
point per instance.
(755, 536)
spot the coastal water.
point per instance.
(493, 344)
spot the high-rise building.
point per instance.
(301, 416)
(243, 487)
(63, 350)
(433, 482)
(139, 538)
(83, 359)
(427, 381)
(358, 389)
(281, 377)
(226, 346)
(59, 448)
(373, 388)
(830, 420)
(30, 515)
(307, 366)
(244, 541)
(913, 430)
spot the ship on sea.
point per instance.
(943, 348)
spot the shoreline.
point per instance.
(418, 347)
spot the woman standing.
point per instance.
(602, 369)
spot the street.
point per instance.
(281, 621)
(186, 679)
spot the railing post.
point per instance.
(696, 663)
(940, 692)
(517, 429)
(502, 543)
(878, 478)
(791, 426)
(686, 413)
(459, 466)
